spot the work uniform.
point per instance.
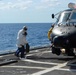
(21, 42)
(21, 38)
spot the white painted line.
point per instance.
(40, 50)
(24, 67)
(39, 62)
(70, 63)
(50, 69)
(1, 56)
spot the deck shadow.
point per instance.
(50, 58)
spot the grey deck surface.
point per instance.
(38, 62)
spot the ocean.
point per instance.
(37, 35)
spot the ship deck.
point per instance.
(38, 62)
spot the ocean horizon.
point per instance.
(37, 35)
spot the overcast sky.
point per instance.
(30, 11)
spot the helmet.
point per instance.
(24, 27)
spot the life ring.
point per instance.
(49, 32)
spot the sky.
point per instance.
(31, 11)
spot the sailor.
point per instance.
(49, 32)
(22, 43)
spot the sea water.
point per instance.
(37, 35)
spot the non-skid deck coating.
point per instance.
(38, 62)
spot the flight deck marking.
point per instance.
(41, 62)
(25, 67)
(1, 56)
(50, 69)
(58, 67)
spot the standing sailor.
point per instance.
(22, 43)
